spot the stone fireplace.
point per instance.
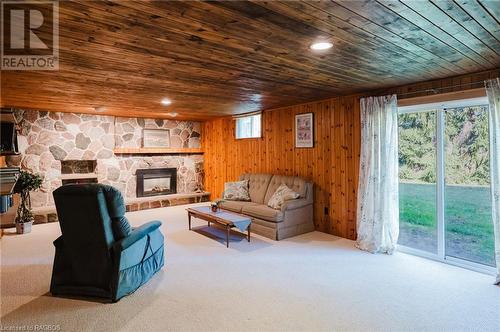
(79, 148)
(156, 181)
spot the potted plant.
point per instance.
(216, 205)
(25, 183)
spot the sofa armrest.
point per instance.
(137, 234)
(295, 204)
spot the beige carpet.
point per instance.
(313, 282)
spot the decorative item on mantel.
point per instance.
(156, 138)
(26, 182)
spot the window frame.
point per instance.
(235, 133)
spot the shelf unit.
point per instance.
(77, 176)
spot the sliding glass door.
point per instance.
(445, 203)
(467, 196)
(417, 181)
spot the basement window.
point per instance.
(249, 126)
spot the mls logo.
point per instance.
(30, 35)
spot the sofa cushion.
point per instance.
(295, 183)
(263, 212)
(282, 194)
(236, 191)
(235, 206)
(257, 186)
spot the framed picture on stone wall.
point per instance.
(156, 138)
(304, 130)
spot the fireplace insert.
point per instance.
(156, 181)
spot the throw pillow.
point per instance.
(236, 191)
(282, 194)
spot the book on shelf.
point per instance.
(8, 179)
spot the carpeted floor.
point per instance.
(312, 282)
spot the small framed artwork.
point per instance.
(156, 138)
(304, 130)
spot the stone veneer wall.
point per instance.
(46, 138)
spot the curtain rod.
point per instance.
(242, 115)
(436, 90)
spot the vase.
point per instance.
(24, 228)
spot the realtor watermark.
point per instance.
(30, 35)
(41, 327)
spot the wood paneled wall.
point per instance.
(332, 164)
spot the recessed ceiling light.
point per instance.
(100, 109)
(166, 101)
(319, 46)
(172, 114)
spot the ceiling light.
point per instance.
(100, 109)
(166, 101)
(172, 114)
(319, 46)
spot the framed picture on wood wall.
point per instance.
(304, 130)
(156, 138)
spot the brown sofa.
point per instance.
(294, 218)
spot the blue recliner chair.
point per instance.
(99, 254)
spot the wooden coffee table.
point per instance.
(224, 218)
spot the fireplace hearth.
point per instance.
(156, 181)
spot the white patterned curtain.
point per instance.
(493, 91)
(378, 206)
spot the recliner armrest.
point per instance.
(295, 204)
(137, 234)
(58, 242)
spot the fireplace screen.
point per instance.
(156, 181)
(156, 185)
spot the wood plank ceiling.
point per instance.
(219, 58)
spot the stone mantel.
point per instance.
(158, 151)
